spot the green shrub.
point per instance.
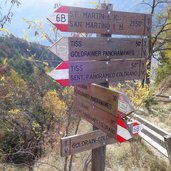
(11, 148)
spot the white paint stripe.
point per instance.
(123, 132)
(60, 74)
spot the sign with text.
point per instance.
(78, 143)
(114, 102)
(84, 20)
(76, 73)
(97, 117)
(99, 48)
(82, 142)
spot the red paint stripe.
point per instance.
(62, 27)
(135, 123)
(121, 123)
(63, 9)
(136, 134)
(63, 65)
(120, 139)
(64, 83)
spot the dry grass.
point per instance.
(9, 167)
(160, 114)
(129, 156)
(133, 156)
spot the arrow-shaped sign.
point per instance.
(84, 20)
(87, 141)
(114, 102)
(97, 117)
(99, 48)
(76, 73)
(111, 124)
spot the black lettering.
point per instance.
(75, 24)
(115, 18)
(121, 27)
(76, 77)
(76, 44)
(136, 23)
(92, 15)
(73, 14)
(80, 54)
(77, 68)
(83, 94)
(63, 19)
(134, 65)
(95, 25)
(138, 44)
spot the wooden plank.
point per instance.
(74, 19)
(114, 102)
(99, 118)
(99, 48)
(101, 71)
(76, 73)
(82, 142)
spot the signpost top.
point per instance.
(74, 19)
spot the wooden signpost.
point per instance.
(114, 102)
(84, 20)
(76, 73)
(99, 48)
(78, 143)
(100, 60)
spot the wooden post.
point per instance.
(99, 154)
(167, 139)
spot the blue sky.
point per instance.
(40, 9)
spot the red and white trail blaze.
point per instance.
(61, 74)
(124, 133)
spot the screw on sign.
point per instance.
(73, 19)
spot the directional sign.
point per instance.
(82, 142)
(75, 73)
(73, 19)
(114, 102)
(99, 118)
(78, 143)
(99, 48)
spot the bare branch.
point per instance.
(164, 49)
(7, 17)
